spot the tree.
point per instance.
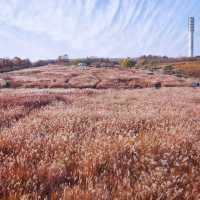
(142, 61)
(128, 63)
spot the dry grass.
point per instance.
(190, 68)
(89, 144)
(58, 76)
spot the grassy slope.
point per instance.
(100, 78)
(190, 68)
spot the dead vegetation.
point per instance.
(100, 144)
(59, 76)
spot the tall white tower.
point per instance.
(191, 36)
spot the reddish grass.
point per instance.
(99, 78)
(88, 144)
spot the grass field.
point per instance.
(58, 76)
(100, 144)
(188, 68)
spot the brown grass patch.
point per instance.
(141, 144)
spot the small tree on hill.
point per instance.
(127, 63)
(142, 61)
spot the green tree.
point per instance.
(127, 63)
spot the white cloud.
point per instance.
(95, 27)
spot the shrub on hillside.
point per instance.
(128, 63)
(168, 68)
(180, 73)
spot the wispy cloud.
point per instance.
(43, 29)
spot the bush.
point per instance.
(158, 85)
(128, 63)
(179, 73)
(141, 61)
(168, 68)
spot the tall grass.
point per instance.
(141, 144)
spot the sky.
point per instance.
(43, 29)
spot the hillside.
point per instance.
(98, 133)
(182, 67)
(59, 76)
(189, 68)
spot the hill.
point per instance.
(182, 67)
(59, 76)
(73, 133)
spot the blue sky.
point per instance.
(106, 28)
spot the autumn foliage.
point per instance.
(127, 63)
(100, 144)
